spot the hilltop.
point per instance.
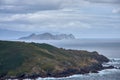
(48, 36)
(31, 60)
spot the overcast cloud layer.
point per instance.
(83, 18)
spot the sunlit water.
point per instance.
(107, 47)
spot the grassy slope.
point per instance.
(19, 57)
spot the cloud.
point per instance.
(105, 1)
(25, 6)
(56, 19)
(30, 6)
(117, 10)
(73, 16)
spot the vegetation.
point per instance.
(18, 58)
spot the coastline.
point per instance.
(66, 73)
(72, 61)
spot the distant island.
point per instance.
(31, 60)
(48, 36)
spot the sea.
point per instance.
(107, 47)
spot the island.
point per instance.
(20, 60)
(47, 36)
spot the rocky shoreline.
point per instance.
(20, 60)
(90, 69)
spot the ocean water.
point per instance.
(108, 47)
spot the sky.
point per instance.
(82, 18)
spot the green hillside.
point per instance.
(18, 58)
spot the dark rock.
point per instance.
(65, 73)
(33, 76)
(20, 76)
(100, 58)
(117, 67)
(109, 67)
(94, 71)
(2, 76)
(84, 70)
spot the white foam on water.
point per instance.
(48, 78)
(108, 72)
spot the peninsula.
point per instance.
(31, 60)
